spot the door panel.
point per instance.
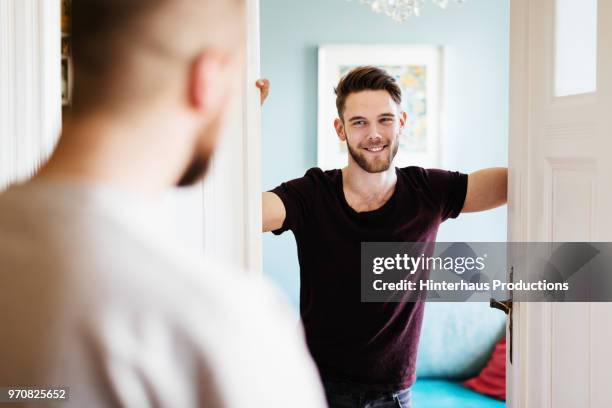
(560, 170)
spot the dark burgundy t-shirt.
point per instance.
(374, 344)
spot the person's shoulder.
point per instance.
(252, 336)
(227, 322)
(320, 174)
(323, 177)
(20, 197)
(163, 270)
(415, 176)
(315, 179)
(425, 175)
(431, 182)
(187, 288)
(419, 171)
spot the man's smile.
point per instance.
(375, 149)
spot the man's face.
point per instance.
(371, 126)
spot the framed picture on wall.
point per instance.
(417, 68)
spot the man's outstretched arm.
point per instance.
(487, 189)
(272, 212)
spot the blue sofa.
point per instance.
(456, 342)
(430, 393)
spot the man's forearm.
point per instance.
(487, 189)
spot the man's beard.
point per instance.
(374, 166)
(195, 171)
(202, 154)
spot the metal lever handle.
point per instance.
(503, 305)
(506, 307)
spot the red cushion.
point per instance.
(492, 379)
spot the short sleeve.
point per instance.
(297, 196)
(449, 189)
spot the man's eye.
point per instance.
(387, 120)
(359, 123)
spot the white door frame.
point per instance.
(232, 190)
(517, 141)
(252, 144)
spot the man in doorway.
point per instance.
(93, 296)
(366, 352)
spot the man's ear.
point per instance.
(403, 117)
(339, 126)
(207, 77)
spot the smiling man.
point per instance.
(366, 352)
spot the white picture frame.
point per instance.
(417, 67)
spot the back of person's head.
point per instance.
(134, 56)
(131, 51)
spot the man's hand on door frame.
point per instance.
(264, 89)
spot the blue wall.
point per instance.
(475, 37)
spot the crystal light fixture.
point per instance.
(400, 10)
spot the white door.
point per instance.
(560, 190)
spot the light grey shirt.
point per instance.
(94, 298)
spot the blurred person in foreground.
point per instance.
(93, 296)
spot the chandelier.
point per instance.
(400, 10)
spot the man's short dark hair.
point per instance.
(128, 50)
(366, 78)
(99, 26)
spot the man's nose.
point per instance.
(374, 135)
